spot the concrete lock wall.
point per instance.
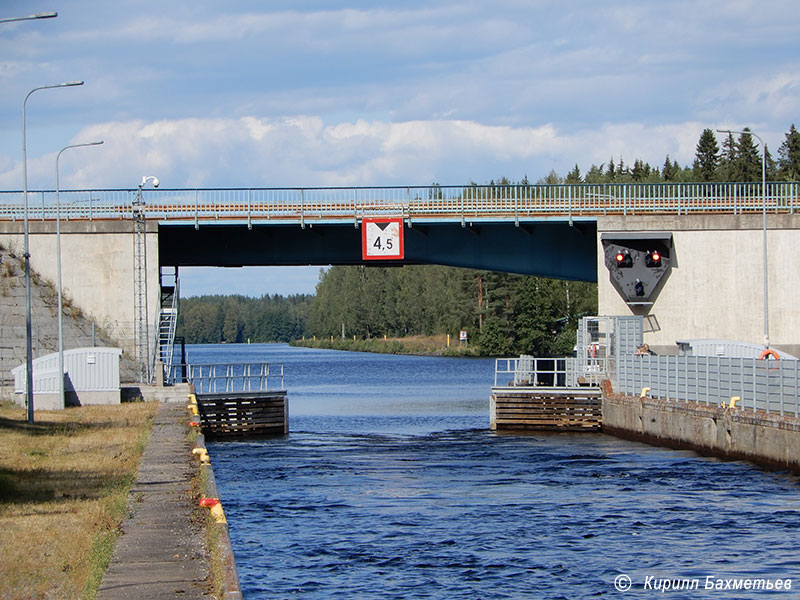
(97, 270)
(715, 287)
(767, 439)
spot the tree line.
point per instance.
(502, 313)
(734, 159)
(238, 319)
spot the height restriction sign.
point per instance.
(382, 239)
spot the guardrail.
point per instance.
(231, 377)
(765, 385)
(567, 372)
(465, 203)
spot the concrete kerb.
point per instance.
(231, 588)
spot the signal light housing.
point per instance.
(638, 262)
(624, 259)
(652, 259)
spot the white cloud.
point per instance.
(301, 151)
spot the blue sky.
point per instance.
(247, 94)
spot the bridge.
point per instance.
(709, 234)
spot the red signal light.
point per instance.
(623, 259)
(653, 259)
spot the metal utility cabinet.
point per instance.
(91, 376)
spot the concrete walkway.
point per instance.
(161, 553)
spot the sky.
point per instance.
(322, 93)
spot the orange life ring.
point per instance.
(769, 352)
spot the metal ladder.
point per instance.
(167, 320)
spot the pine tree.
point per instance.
(771, 165)
(574, 176)
(789, 156)
(611, 173)
(727, 159)
(707, 159)
(594, 175)
(747, 165)
(670, 169)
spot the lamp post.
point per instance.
(58, 271)
(28, 335)
(764, 226)
(46, 15)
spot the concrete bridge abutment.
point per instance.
(98, 269)
(715, 286)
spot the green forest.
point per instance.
(503, 313)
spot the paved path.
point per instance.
(160, 554)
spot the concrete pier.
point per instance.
(161, 553)
(768, 439)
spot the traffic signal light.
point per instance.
(638, 262)
(624, 259)
(652, 259)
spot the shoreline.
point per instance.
(413, 345)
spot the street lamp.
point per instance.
(764, 227)
(27, 255)
(58, 270)
(46, 15)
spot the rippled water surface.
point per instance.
(390, 485)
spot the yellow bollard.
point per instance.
(215, 506)
(202, 453)
(448, 340)
(218, 513)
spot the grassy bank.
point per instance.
(427, 345)
(64, 482)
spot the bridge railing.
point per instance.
(471, 202)
(214, 378)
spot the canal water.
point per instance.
(390, 485)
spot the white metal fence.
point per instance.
(231, 377)
(767, 385)
(550, 372)
(764, 385)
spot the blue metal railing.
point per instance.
(471, 202)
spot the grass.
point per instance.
(428, 345)
(64, 483)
